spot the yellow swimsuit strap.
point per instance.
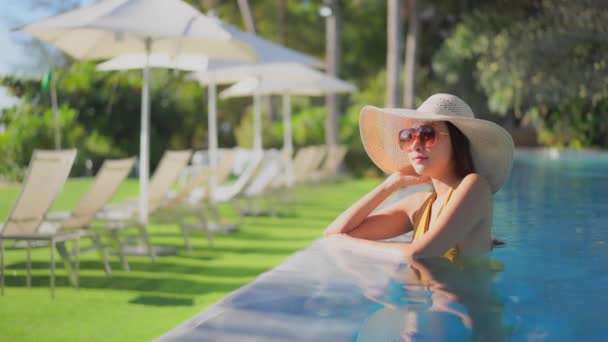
(422, 226)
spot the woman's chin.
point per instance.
(420, 169)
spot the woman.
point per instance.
(466, 160)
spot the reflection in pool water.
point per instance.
(547, 283)
(430, 299)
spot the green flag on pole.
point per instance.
(47, 78)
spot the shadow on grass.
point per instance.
(266, 237)
(176, 286)
(201, 243)
(162, 301)
(217, 248)
(256, 250)
(160, 267)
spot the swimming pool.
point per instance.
(547, 284)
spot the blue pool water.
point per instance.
(554, 215)
(548, 283)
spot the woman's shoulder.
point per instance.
(473, 182)
(476, 181)
(414, 202)
(477, 186)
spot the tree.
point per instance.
(332, 51)
(247, 15)
(410, 54)
(543, 62)
(394, 53)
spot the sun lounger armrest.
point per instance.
(58, 216)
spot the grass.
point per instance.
(154, 297)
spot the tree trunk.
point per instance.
(283, 22)
(332, 52)
(394, 31)
(410, 54)
(247, 15)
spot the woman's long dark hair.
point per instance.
(461, 151)
(463, 161)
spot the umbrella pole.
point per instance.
(257, 122)
(212, 135)
(288, 137)
(55, 113)
(144, 156)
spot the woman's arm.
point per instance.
(472, 196)
(357, 221)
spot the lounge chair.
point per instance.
(301, 163)
(121, 217)
(329, 169)
(260, 189)
(107, 181)
(46, 175)
(192, 201)
(228, 193)
(315, 165)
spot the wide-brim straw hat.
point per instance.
(491, 145)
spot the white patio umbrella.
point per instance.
(220, 72)
(187, 62)
(228, 72)
(288, 80)
(217, 71)
(112, 28)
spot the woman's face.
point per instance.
(431, 159)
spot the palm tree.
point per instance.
(410, 53)
(394, 30)
(283, 11)
(332, 53)
(247, 15)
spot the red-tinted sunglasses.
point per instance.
(426, 134)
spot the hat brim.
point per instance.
(491, 145)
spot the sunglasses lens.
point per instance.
(406, 137)
(424, 134)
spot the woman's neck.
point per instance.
(445, 183)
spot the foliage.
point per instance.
(544, 62)
(540, 63)
(29, 128)
(107, 109)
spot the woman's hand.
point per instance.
(405, 177)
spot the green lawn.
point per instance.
(154, 297)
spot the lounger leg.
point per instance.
(183, 226)
(1, 267)
(53, 269)
(146, 238)
(69, 267)
(209, 234)
(186, 235)
(204, 224)
(77, 259)
(28, 279)
(103, 253)
(120, 250)
(214, 215)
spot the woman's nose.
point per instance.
(416, 145)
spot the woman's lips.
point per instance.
(419, 159)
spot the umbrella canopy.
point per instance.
(271, 85)
(214, 71)
(287, 79)
(187, 62)
(227, 72)
(111, 28)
